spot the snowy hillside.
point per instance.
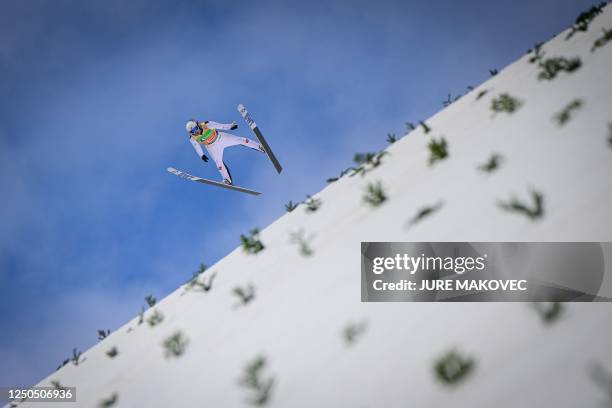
(322, 347)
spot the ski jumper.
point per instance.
(215, 142)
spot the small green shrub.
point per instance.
(312, 204)
(300, 239)
(109, 402)
(492, 164)
(425, 127)
(375, 194)
(175, 345)
(353, 331)
(290, 206)
(549, 312)
(245, 295)
(481, 94)
(252, 243)
(552, 66)
(102, 334)
(452, 367)
(425, 212)
(252, 379)
(538, 55)
(156, 318)
(438, 150)
(534, 212)
(603, 40)
(565, 115)
(584, 19)
(505, 103)
(150, 300)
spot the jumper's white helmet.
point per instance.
(191, 126)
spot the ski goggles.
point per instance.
(194, 130)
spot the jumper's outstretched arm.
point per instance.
(197, 148)
(220, 126)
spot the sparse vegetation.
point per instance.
(57, 386)
(175, 345)
(425, 212)
(342, 173)
(245, 295)
(565, 115)
(493, 72)
(204, 286)
(76, 356)
(141, 315)
(353, 331)
(452, 367)
(549, 312)
(375, 194)
(252, 244)
(367, 162)
(552, 66)
(300, 239)
(438, 150)
(110, 401)
(603, 40)
(537, 53)
(195, 275)
(425, 127)
(534, 212)
(505, 103)
(449, 100)
(156, 318)
(312, 204)
(347, 170)
(201, 269)
(75, 359)
(252, 378)
(150, 300)
(391, 138)
(492, 164)
(584, 19)
(481, 94)
(102, 334)
(290, 206)
(113, 352)
(410, 126)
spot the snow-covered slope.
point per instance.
(303, 304)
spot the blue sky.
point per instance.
(94, 100)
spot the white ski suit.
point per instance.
(215, 142)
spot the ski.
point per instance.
(190, 177)
(249, 120)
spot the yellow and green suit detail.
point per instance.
(208, 136)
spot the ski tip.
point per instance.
(240, 107)
(170, 169)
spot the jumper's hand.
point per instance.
(204, 158)
(234, 126)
